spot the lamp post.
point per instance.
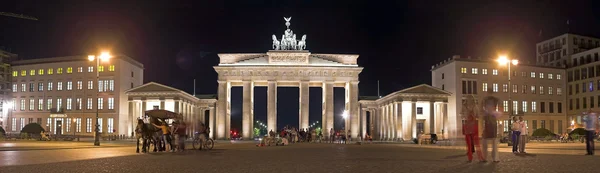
(104, 56)
(503, 60)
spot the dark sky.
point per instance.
(397, 41)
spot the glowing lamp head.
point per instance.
(515, 62)
(91, 57)
(502, 60)
(104, 56)
(345, 114)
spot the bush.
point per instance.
(542, 133)
(579, 131)
(32, 128)
(2, 132)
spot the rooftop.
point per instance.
(480, 60)
(72, 58)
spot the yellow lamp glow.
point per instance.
(91, 57)
(515, 62)
(105, 56)
(502, 60)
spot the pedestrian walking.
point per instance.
(523, 136)
(516, 133)
(471, 132)
(591, 124)
(490, 129)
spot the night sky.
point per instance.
(398, 42)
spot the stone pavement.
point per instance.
(246, 157)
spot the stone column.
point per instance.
(162, 103)
(228, 117)
(132, 121)
(304, 94)
(272, 106)
(371, 123)
(445, 118)
(394, 120)
(413, 119)
(143, 108)
(176, 108)
(211, 122)
(363, 123)
(327, 107)
(252, 110)
(386, 120)
(399, 121)
(431, 117)
(246, 109)
(219, 127)
(354, 110)
(382, 121)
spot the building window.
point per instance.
(69, 85)
(524, 106)
(583, 89)
(88, 125)
(31, 104)
(541, 90)
(41, 86)
(40, 104)
(591, 86)
(532, 74)
(474, 70)
(100, 103)
(558, 76)
(484, 71)
(419, 110)
(49, 124)
(541, 75)
(504, 87)
(532, 89)
(79, 69)
(49, 102)
(79, 85)
(78, 125)
(23, 87)
(111, 103)
(558, 91)
(576, 88)
(31, 72)
(13, 124)
(524, 89)
(515, 107)
(577, 103)
(69, 103)
(14, 88)
(485, 87)
(550, 92)
(111, 85)
(442, 75)
(110, 125)
(22, 106)
(131, 85)
(50, 71)
(543, 124)
(22, 123)
(31, 87)
(495, 72)
(90, 69)
(68, 124)
(551, 107)
(505, 106)
(515, 89)
(15, 73)
(59, 86)
(90, 85)
(111, 68)
(132, 72)
(100, 125)
(78, 102)
(533, 107)
(100, 68)
(584, 100)
(58, 103)
(89, 104)
(69, 70)
(560, 125)
(23, 73)
(59, 71)
(550, 76)
(49, 86)
(41, 72)
(101, 85)
(559, 106)
(495, 87)
(463, 70)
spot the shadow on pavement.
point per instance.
(525, 155)
(455, 156)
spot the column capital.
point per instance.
(272, 81)
(328, 82)
(222, 81)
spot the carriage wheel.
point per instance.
(196, 144)
(209, 144)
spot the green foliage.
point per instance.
(318, 131)
(256, 132)
(579, 131)
(32, 128)
(542, 133)
(24, 136)
(2, 132)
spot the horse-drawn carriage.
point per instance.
(148, 129)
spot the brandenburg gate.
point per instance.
(287, 65)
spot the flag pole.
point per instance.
(378, 95)
(194, 87)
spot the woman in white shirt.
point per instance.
(523, 136)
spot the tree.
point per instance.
(542, 133)
(2, 132)
(32, 128)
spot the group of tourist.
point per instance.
(490, 129)
(175, 130)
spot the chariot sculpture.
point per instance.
(288, 39)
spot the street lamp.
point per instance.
(104, 56)
(504, 60)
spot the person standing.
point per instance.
(591, 124)
(471, 131)
(516, 133)
(523, 136)
(490, 129)
(331, 135)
